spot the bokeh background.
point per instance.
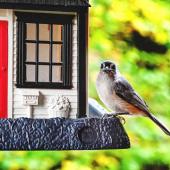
(136, 35)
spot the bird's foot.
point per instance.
(120, 113)
(116, 114)
(108, 115)
(121, 119)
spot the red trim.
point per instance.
(3, 68)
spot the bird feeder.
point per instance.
(43, 79)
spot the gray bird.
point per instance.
(119, 96)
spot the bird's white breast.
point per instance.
(105, 90)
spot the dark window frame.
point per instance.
(43, 18)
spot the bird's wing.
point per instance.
(125, 91)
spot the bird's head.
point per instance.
(108, 67)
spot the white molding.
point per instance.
(10, 63)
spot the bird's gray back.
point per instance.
(125, 91)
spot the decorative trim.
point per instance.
(31, 99)
(59, 106)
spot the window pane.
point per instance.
(57, 53)
(44, 32)
(31, 31)
(31, 51)
(30, 73)
(44, 51)
(57, 74)
(57, 32)
(43, 73)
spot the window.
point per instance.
(44, 51)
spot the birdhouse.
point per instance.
(43, 77)
(44, 65)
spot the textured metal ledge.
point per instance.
(62, 134)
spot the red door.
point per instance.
(3, 68)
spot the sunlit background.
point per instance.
(136, 35)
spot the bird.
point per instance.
(119, 96)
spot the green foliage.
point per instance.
(111, 26)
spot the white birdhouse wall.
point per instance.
(42, 108)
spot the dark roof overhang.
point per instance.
(49, 5)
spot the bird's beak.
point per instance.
(106, 70)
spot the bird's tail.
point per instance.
(157, 122)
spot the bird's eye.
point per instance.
(112, 66)
(102, 66)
